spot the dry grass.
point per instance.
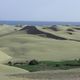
(24, 46)
(52, 75)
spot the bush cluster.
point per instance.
(35, 65)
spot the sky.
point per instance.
(40, 10)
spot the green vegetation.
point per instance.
(33, 62)
(34, 65)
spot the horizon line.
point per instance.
(39, 21)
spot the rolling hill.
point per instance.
(40, 43)
(22, 44)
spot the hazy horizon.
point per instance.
(40, 10)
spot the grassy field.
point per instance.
(34, 47)
(20, 46)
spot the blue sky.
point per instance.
(40, 10)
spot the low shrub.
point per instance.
(10, 63)
(33, 62)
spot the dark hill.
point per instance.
(54, 28)
(33, 30)
(77, 28)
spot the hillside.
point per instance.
(40, 43)
(68, 32)
(22, 44)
